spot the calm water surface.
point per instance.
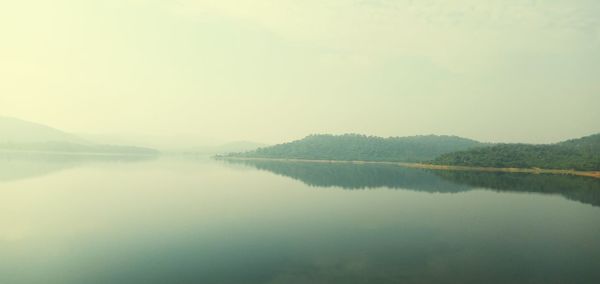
(182, 220)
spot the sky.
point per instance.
(275, 70)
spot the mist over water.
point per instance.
(186, 73)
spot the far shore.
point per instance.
(592, 174)
(75, 153)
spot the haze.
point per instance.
(271, 71)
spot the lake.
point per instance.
(95, 219)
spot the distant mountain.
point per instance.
(577, 154)
(231, 147)
(23, 136)
(350, 147)
(165, 142)
(17, 131)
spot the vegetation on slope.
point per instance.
(349, 147)
(579, 154)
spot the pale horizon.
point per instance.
(274, 71)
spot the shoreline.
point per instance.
(592, 174)
(74, 153)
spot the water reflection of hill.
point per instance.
(357, 176)
(17, 166)
(582, 189)
(364, 176)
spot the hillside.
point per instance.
(17, 131)
(22, 136)
(350, 147)
(578, 154)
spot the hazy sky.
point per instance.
(274, 70)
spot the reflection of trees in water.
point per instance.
(357, 176)
(583, 189)
(364, 176)
(16, 166)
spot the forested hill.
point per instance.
(578, 154)
(350, 147)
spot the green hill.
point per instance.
(349, 147)
(578, 154)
